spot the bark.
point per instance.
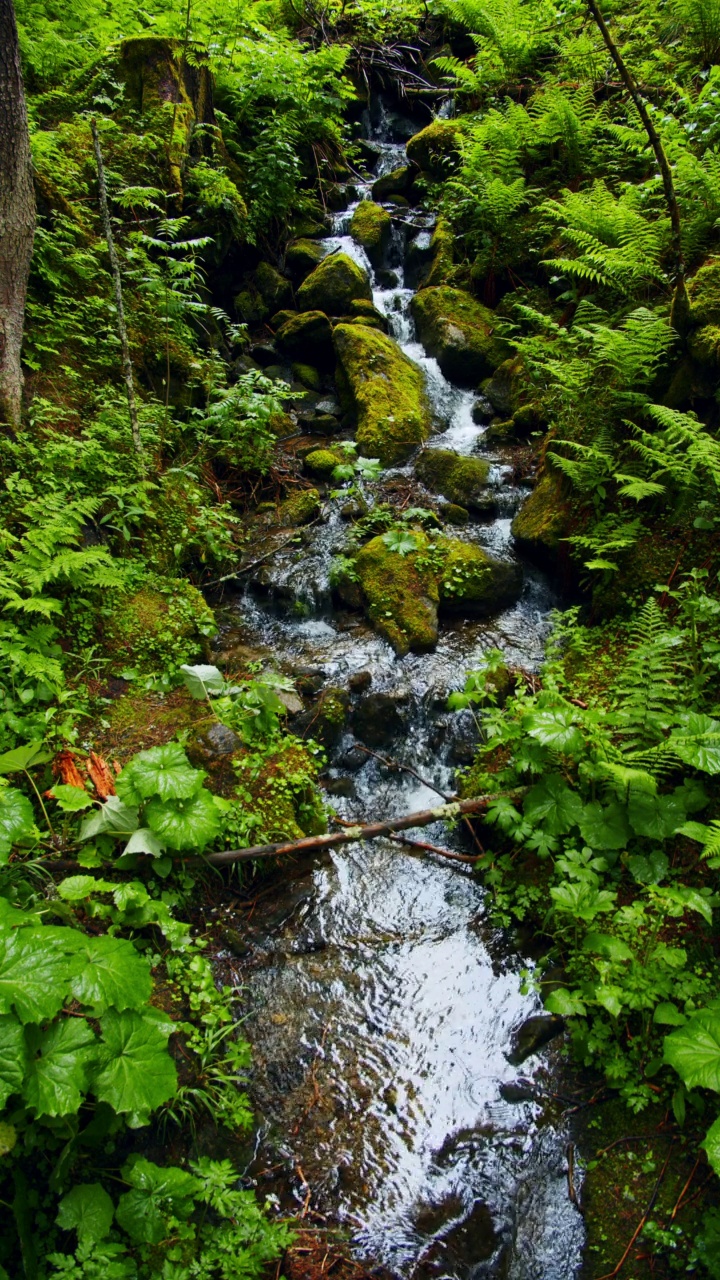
(117, 284)
(17, 215)
(366, 831)
(680, 304)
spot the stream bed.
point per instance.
(378, 999)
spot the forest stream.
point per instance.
(379, 1003)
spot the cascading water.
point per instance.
(378, 1005)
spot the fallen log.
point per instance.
(350, 835)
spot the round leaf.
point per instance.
(88, 1210)
(185, 824)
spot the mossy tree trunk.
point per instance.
(17, 215)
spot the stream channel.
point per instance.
(378, 999)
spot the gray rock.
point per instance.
(377, 720)
(533, 1034)
(360, 681)
(220, 741)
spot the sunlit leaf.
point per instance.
(26, 757)
(57, 1071)
(112, 818)
(71, 799)
(202, 680)
(694, 1051)
(162, 771)
(136, 1073)
(13, 1056)
(554, 805)
(114, 974)
(185, 824)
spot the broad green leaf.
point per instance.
(156, 1195)
(610, 999)
(71, 799)
(145, 841)
(202, 680)
(22, 758)
(649, 868)
(114, 974)
(694, 1051)
(667, 1014)
(581, 900)
(17, 820)
(112, 818)
(697, 742)
(185, 824)
(162, 771)
(57, 1072)
(13, 1056)
(567, 1003)
(75, 888)
(678, 1104)
(685, 898)
(136, 1073)
(656, 817)
(555, 728)
(604, 826)
(401, 541)
(605, 944)
(711, 1144)
(88, 1210)
(34, 973)
(553, 805)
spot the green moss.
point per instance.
(281, 792)
(473, 583)
(307, 337)
(302, 257)
(250, 307)
(281, 317)
(158, 627)
(371, 227)
(436, 149)
(704, 293)
(364, 310)
(306, 374)
(401, 598)
(273, 288)
(322, 462)
(443, 255)
(458, 331)
(299, 509)
(461, 480)
(455, 514)
(543, 518)
(385, 390)
(398, 183)
(334, 285)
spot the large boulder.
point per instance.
(274, 289)
(461, 480)
(302, 257)
(436, 149)
(397, 183)
(333, 286)
(474, 584)
(371, 227)
(543, 519)
(458, 331)
(307, 337)
(385, 390)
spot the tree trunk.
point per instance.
(17, 215)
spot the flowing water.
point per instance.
(380, 1003)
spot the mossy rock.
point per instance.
(459, 479)
(250, 306)
(302, 257)
(361, 309)
(504, 388)
(436, 149)
(397, 183)
(458, 331)
(386, 392)
(282, 792)
(400, 597)
(371, 227)
(307, 337)
(334, 285)
(704, 294)
(307, 375)
(273, 288)
(281, 317)
(475, 584)
(326, 720)
(158, 627)
(322, 462)
(542, 520)
(299, 509)
(452, 513)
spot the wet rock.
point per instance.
(326, 720)
(517, 1091)
(504, 387)
(324, 424)
(291, 702)
(220, 741)
(371, 227)
(308, 338)
(532, 1035)
(328, 405)
(352, 759)
(460, 479)
(281, 317)
(359, 681)
(307, 375)
(264, 354)
(542, 521)
(436, 149)
(386, 392)
(387, 279)
(279, 372)
(274, 289)
(353, 510)
(235, 942)
(344, 787)
(334, 285)
(337, 198)
(361, 309)
(399, 183)
(482, 410)
(474, 584)
(442, 246)
(377, 721)
(302, 257)
(369, 152)
(299, 509)
(458, 331)
(452, 513)
(400, 597)
(418, 257)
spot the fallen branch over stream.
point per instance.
(350, 835)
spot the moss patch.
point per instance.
(458, 331)
(400, 597)
(298, 509)
(334, 285)
(436, 149)
(159, 627)
(397, 183)
(371, 227)
(302, 257)
(443, 255)
(385, 390)
(307, 337)
(322, 462)
(543, 519)
(461, 480)
(308, 375)
(474, 584)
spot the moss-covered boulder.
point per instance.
(299, 509)
(274, 289)
(334, 285)
(474, 584)
(158, 627)
(452, 513)
(399, 595)
(302, 257)
(385, 390)
(397, 183)
(322, 462)
(704, 293)
(503, 389)
(281, 317)
(361, 309)
(459, 479)
(436, 149)
(371, 227)
(308, 375)
(542, 520)
(307, 337)
(458, 331)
